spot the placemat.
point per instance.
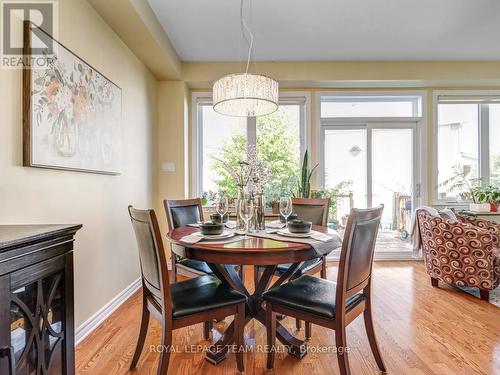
(321, 248)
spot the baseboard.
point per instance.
(87, 327)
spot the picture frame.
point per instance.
(71, 112)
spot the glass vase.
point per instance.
(258, 216)
(240, 224)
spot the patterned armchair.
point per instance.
(462, 253)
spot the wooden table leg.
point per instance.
(217, 352)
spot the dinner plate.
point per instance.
(223, 235)
(287, 233)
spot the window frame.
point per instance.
(483, 137)
(301, 98)
(377, 97)
(419, 118)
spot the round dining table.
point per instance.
(252, 251)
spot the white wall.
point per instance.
(106, 258)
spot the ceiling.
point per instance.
(323, 30)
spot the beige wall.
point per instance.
(105, 256)
(172, 144)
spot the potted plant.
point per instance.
(468, 188)
(489, 195)
(304, 183)
(479, 195)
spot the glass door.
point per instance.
(370, 164)
(392, 183)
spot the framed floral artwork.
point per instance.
(72, 113)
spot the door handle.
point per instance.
(8, 352)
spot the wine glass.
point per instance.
(286, 207)
(222, 206)
(245, 210)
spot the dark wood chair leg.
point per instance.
(142, 333)
(484, 294)
(173, 259)
(434, 282)
(308, 330)
(323, 269)
(239, 327)
(242, 273)
(298, 324)
(341, 343)
(166, 342)
(370, 331)
(207, 328)
(271, 335)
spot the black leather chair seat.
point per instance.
(197, 265)
(307, 266)
(201, 294)
(311, 295)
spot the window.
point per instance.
(468, 143)
(370, 106)
(279, 138)
(370, 154)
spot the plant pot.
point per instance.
(479, 207)
(493, 207)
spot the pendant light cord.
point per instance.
(249, 38)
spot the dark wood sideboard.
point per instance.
(36, 299)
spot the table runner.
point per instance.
(321, 248)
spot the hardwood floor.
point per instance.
(420, 329)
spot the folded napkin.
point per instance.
(323, 237)
(275, 224)
(230, 224)
(191, 238)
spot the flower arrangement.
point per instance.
(68, 98)
(251, 170)
(259, 172)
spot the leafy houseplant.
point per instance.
(488, 195)
(467, 186)
(304, 183)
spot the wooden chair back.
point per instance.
(181, 212)
(356, 257)
(154, 270)
(312, 209)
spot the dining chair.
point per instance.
(316, 211)
(181, 212)
(181, 304)
(329, 304)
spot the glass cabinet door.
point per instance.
(36, 329)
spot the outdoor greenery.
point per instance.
(277, 148)
(343, 187)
